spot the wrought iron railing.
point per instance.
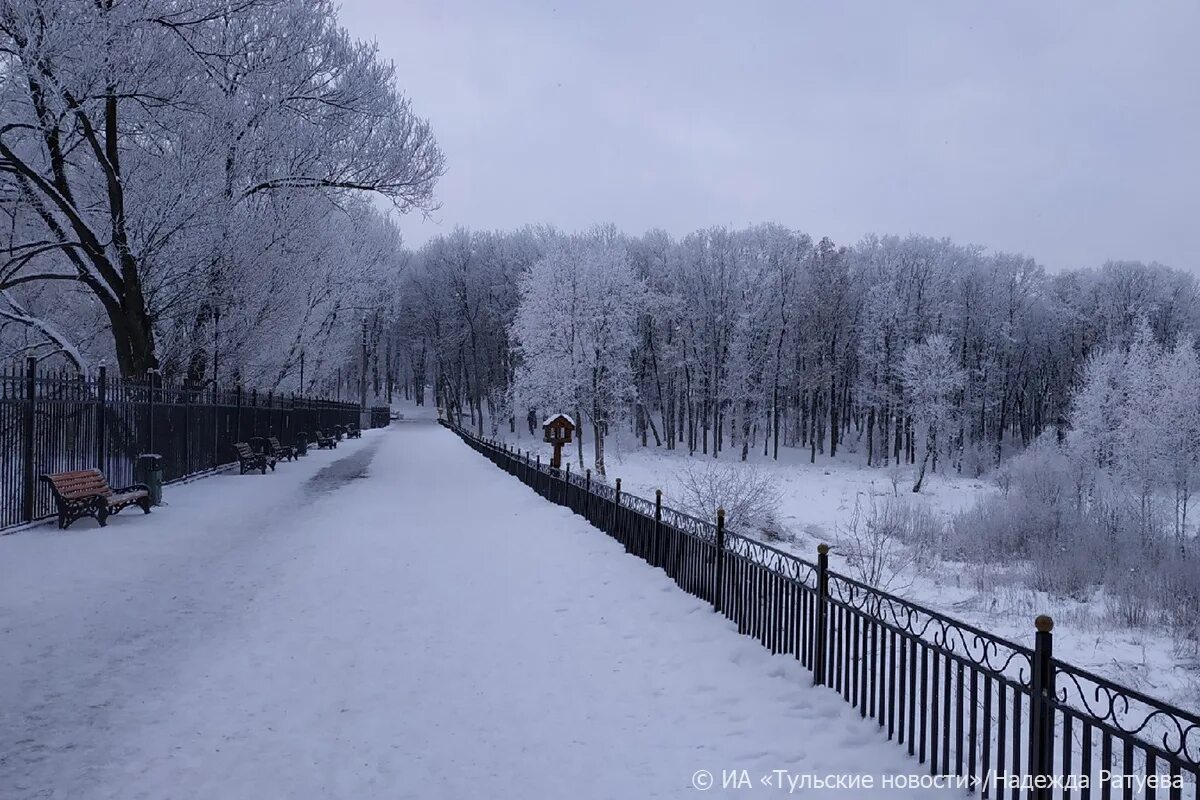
(994, 716)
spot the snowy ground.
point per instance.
(360, 625)
(818, 499)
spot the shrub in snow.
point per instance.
(1179, 596)
(1066, 565)
(976, 459)
(1002, 477)
(995, 529)
(882, 539)
(1129, 600)
(749, 496)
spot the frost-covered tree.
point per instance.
(932, 380)
(143, 139)
(1135, 421)
(575, 333)
(1179, 372)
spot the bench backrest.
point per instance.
(81, 483)
(243, 450)
(274, 442)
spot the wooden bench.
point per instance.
(85, 493)
(339, 432)
(353, 432)
(279, 451)
(249, 460)
(324, 441)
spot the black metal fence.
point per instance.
(995, 717)
(381, 416)
(60, 422)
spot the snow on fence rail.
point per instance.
(61, 422)
(1007, 719)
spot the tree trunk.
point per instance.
(133, 335)
(578, 438)
(598, 441)
(930, 447)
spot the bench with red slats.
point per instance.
(86, 493)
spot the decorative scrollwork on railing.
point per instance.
(604, 491)
(1129, 712)
(638, 504)
(705, 531)
(787, 564)
(951, 636)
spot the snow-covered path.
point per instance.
(395, 619)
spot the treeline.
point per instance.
(762, 338)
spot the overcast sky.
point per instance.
(1067, 131)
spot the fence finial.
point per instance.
(1043, 623)
(721, 514)
(823, 549)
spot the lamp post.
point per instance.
(301, 373)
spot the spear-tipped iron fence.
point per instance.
(58, 422)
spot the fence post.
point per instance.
(566, 490)
(587, 497)
(185, 400)
(537, 479)
(1041, 710)
(150, 412)
(101, 418)
(616, 508)
(820, 635)
(719, 579)
(27, 483)
(216, 454)
(237, 425)
(658, 527)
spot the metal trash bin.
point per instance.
(150, 472)
(301, 443)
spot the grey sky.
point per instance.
(1067, 131)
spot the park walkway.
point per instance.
(394, 619)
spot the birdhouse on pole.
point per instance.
(557, 430)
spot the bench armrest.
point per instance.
(135, 487)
